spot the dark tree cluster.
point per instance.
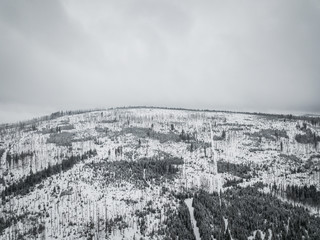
(271, 134)
(304, 194)
(61, 138)
(308, 137)
(150, 133)
(179, 224)
(194, 145)
(109, 120)
(7, 221)
(240, 170)
(16, 157)
(57, 129)
(111, 224)
(315, 121)
(118, 151)
(247, 210)
(303, 127)
(186, 137)
(221, 137)
(208, 213)
(1, 152)
(102, 130)
(162, 167)
(232, 182)
(25, 185)
(134, 171)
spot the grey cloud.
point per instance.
(239, 55)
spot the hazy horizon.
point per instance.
(37, 115)
(232, 55)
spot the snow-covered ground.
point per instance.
(196, 232)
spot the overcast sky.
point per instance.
(234, 55)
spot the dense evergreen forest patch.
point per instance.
(150, 133)
(13, 159)
(271, 134)
(303, 194)
(172, 136)
(61, 138)
(247, 210)
(232, 182)
(179, 224)
(239, 170)
(24, 185)
(138, 172)
(308, 137)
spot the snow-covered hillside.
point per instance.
(125, 173)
